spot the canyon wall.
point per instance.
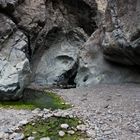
(67, 43)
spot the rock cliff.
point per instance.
(62, 43)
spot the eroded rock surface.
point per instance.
(53, 36)
(121, 41)
(94, 69)
(14, 65)
(59, 63)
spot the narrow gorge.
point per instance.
(69, 69)
(67, 44)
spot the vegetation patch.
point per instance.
(36, 99)
(51, 128)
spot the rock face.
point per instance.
(58, 65)
(121, 41)
(118, 41)
(94, 69)
(52, 35)
(65, 31)
(14, 65)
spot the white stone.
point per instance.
(81, 127)
(31, 138)
(64, 126)
(17, 136)
(3, 135)
(23, 122)
(91, 133)
(71, 132)
(45, 138)
(36, 111)
(61, 133)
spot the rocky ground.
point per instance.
(110, 112)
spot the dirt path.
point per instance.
(112, 111)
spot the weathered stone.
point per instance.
(14, 65)
(45, 138)
(122, 32)
(81, 127)
(17, 136)
(94, 69)
(64, 126)
(59, 63)
(31, 138)
(61, 133)
(23, 122)
(71, 132)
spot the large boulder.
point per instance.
(14, 65)
(94, 69)
(121, 41)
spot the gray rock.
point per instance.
(59, 63)
(91, 133)
(81, 127)
(36, 111)
(23, 122)
(14, 65)
(122, 32)
(94, 69)
(17, 136)
(3, 135)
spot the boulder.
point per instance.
(14, 65)
(94, 69)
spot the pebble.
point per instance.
(61, 133)
(46, 110)
(31, 138)
(71, 132)
(81, 127)
(23, 122)
(17, 136)
(64, 126)
(34, 132)
(40, 114)
(45, 138)
(36, 111)
(91, 133)
(3, 135)
(7, 130)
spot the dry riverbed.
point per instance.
(106, 112)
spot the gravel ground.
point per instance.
(110, 112)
